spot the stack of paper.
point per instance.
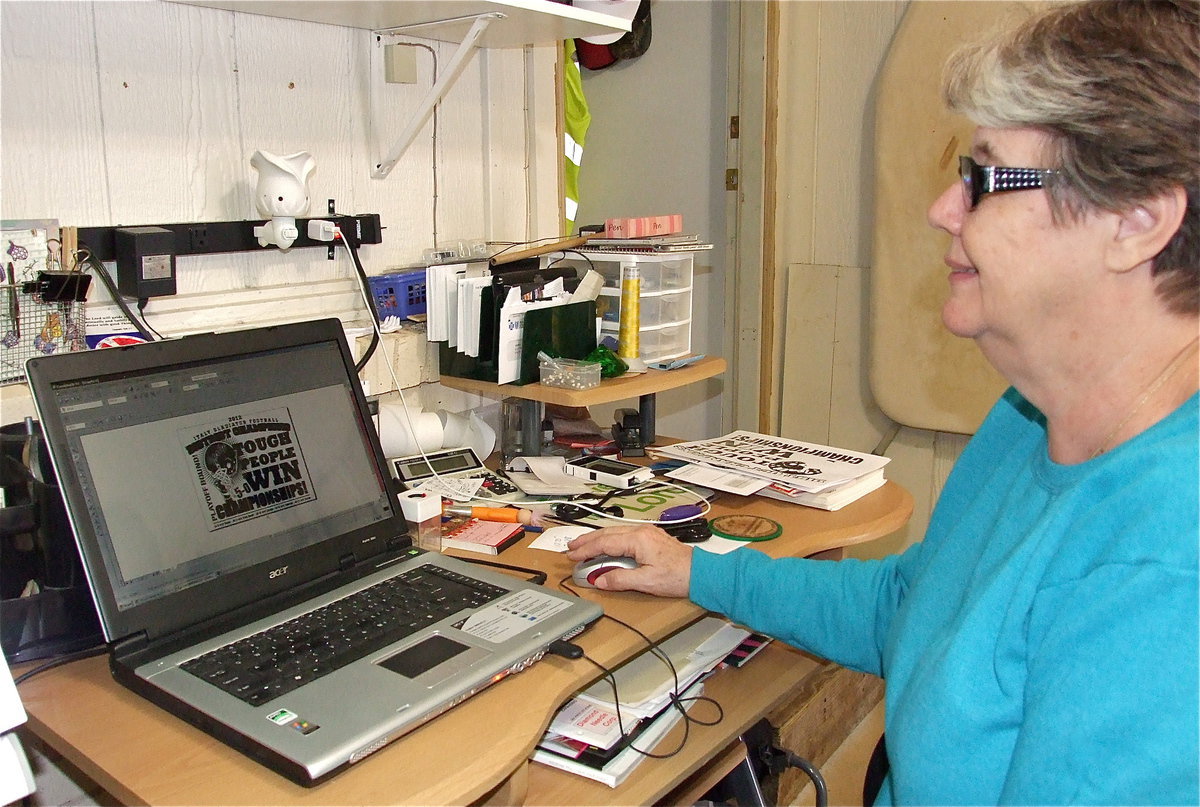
(585, 737)
(612, 765)
(650, 243)
(790, 470)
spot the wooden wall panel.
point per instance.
(843, 144)
(922, 375)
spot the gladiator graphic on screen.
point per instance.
(248, 466)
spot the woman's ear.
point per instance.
(1145, 229)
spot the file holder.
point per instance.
(567, 330)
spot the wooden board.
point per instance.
(921, 375)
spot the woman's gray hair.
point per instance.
(1116, 85)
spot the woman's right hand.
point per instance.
(664, 564)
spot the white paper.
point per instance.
(452, 321)
(16, 778)
(728, 481)
(12, 713)
(459, 488)
(552, 472)
(555, 539)
(470, 303)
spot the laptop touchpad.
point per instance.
(424, 656)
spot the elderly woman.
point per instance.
(1040, 645)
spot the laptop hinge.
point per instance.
(127, 646)
(346, 562)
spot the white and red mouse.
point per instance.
(587, 572)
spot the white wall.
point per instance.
(657, 145)
(148, 112)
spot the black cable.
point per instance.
(564, 257)
(676, 700)
(107, 280)
(366, 290)
(142, 312)
(59, 661)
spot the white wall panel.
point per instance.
(144, 112)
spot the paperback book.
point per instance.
(834, 498)
(484, 537)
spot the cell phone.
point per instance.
(614, 473)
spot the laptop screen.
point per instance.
(196, 470)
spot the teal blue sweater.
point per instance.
(1040, 645)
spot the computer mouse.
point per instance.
(588, 571)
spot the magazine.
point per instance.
(808, 467)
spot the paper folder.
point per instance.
(567, 330)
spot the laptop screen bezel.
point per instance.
(255, 588)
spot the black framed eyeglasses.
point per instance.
(980, 179)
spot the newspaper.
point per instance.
(807, 466)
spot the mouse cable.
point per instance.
(676, 695)
(677, 702)
(564, 253)
(675, 698)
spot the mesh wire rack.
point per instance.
(30, 326)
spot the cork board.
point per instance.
(921, 375)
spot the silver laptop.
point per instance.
(248, 557)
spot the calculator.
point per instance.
(455, 463)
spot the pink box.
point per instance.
(643, 226)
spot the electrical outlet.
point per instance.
(198, 237)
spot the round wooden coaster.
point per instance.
(740, 527)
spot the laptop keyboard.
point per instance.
(280, 659)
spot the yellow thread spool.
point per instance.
(628, 337)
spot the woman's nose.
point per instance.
(947, 210)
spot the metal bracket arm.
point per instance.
(439, 89)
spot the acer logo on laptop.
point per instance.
(280, 572)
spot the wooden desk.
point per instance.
(142, 755)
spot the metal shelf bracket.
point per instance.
(440, 87)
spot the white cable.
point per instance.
(702, 502)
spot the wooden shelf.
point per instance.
(613, 389)
(523, 22)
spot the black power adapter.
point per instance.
(145, 261)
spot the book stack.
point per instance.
(588, 738)
(794, 471)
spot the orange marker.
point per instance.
(513, 515)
